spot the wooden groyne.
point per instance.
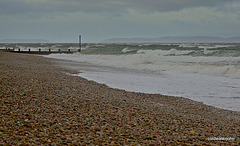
(40, 51)
(44, 52)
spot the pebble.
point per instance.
(192, 132)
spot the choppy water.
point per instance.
(205, 72)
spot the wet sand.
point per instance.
(41, 104)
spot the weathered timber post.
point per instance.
(19, 50)
(49, 50)
(29, 50)
(80, 43)
(39, 50)
(59, 50)
(69, 50)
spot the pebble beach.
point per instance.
(42, 104)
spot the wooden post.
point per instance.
(19, 50)
(49, 50)
(69, 50)
(29, 50)
(59, 50)
(80, 43)
(39, 50)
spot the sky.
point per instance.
(97, 20)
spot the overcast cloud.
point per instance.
(95, 6)
(62, 20)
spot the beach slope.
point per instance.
(42, 104)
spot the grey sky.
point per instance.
(64, 20)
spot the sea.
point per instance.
(203, 72)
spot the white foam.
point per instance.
(125, 50)
(214, 46)
(153, 61)
(164, 52)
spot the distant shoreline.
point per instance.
(178, 39)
